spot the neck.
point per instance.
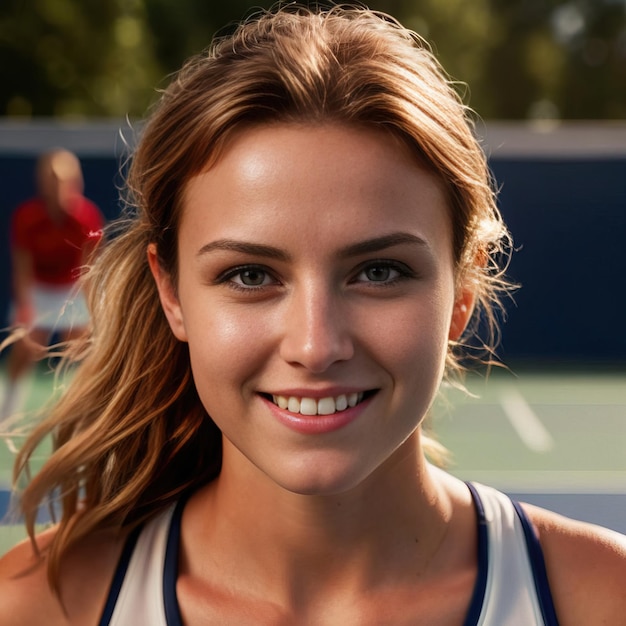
(395, 520)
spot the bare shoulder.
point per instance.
(27, 597)
(586, 567)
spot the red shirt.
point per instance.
(56, 247)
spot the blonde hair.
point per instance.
(63, 164)
(130, 433)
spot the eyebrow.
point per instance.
(368, 246)
(254, 249)
(381, 243)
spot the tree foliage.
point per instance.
(521, 58)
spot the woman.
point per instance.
(316, 219)
(52, 236)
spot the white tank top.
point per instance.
(511, 588)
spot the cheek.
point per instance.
(416, 328)
(412, 344)
(225, 344)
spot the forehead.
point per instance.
(320, 177)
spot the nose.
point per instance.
(316, 331)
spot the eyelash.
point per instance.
(403, 273)
(228, 276)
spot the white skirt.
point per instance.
(58, 308)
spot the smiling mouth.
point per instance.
(321, 406)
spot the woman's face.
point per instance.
(316, 293)
(60, 183)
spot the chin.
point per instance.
(322, 478)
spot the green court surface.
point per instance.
(553, 437)
(541, 431)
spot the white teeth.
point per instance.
(308, 406)
(341, 403)
(324, 406)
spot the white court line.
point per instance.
(549, 481)
(525, 422)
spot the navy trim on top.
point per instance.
(170, 568)
(480, 587)
(538, 567)
(118, 577)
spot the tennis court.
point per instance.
(555, 438)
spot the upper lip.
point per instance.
(317, 394)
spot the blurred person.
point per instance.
(51, 237)
(314, 240)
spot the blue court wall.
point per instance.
(566, 209)
(568, 221)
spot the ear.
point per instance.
(461, 313)
(167, 295)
